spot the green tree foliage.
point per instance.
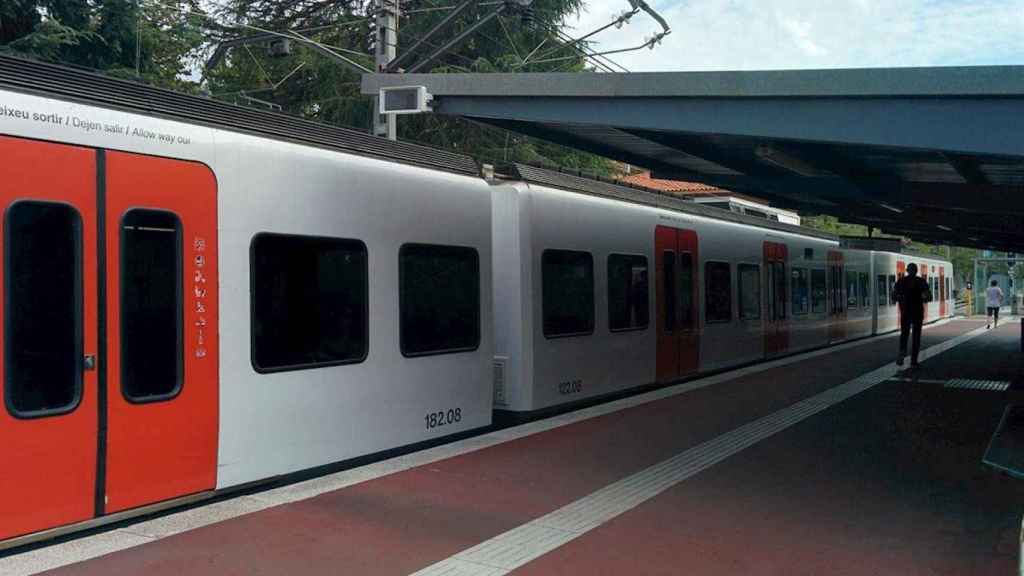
(158, 40)
(166, 42)
(962, 258)
(310, 84)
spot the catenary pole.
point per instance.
(384, 52)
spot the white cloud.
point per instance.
(788, 34)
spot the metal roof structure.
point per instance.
(618, 190)
(936, 154)
(77, 85)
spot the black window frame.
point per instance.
(593, 297)
(822, 273)
(608, 288)
(708, 277)
(687, 304)
(848, 274)
(892, 290)
(776, 271)
(180, 300)
(740, 268)
(864, 289)
(478, 332)
(806, 276)
(882, 286)
(252, 307)
(79, 324)
(669, 283)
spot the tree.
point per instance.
(309, 84)
(961, 258)
(153, 41)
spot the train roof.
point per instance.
(595, 186)
(77, 85)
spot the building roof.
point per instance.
(678, 186)
(574, 181)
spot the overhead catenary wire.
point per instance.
(622, 19)
(607, 62)
(286, 34)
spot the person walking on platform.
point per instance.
(912, 293)
(993, 301)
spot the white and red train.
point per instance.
(198, 296)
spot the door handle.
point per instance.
(89, 362)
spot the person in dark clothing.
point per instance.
(912, 293)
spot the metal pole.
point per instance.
(384, 53)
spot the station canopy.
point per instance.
(935, 154)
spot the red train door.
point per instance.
(942, 292)
(776, 327)
(922, 272)
(109, 343)
(49, 424)
(161, 237)
(901, 271)
(837, 297)
(689, 288)
(678, 347)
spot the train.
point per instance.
(199, 296)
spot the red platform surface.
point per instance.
(888, 482)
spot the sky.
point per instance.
(793, 34)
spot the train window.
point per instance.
(818, 292)
(949, 289)
(800, 291)
(686, 315)
(836, 277)
(43, 285)
(892, 289)
(851, 289)
(439, 298)
(628, 299)
(749, 291)
(718, 292)
(883, 290)
(777, 290)
(668, 262)
(865, 289)
(151, 305)
(309, 301)
(567, 293)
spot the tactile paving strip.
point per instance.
(965, 383)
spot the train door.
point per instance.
(837, 297)
(162, 300)
(676, 254)
(109, 384)
(901, 271)
(49, 425)
(776, 326)
(942, 292)
(922, 272)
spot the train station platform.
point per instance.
(834, 461)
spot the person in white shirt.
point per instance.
(993, 300)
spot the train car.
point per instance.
(197, 296)
(600, 288)
(890, 267)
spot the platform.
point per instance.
(829, 462)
